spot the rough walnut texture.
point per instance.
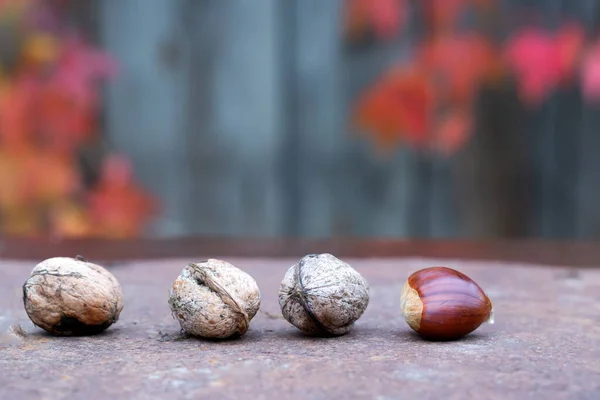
(69, 296)
(214, 299)
(322, 295)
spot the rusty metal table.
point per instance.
(545, 343)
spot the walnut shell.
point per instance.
(322, 295)
(214, 299)
(70, 297)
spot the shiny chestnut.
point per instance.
(440, 303)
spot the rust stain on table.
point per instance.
(545, 343)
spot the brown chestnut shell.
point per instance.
(441, 303)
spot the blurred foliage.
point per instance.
(428, 101)
(50, 83)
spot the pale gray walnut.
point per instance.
(70, 296)
(322, 295)
(214, 299)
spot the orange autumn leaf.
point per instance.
(16, 103)
(13, 178)
(460, 64)
(118, 207)
(52, 176)
(69, 220)
(40, 48)
(30, 175)
(375, 114)
(398, 107)
(49, 101)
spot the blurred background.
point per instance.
(311, 118)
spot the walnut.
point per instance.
(322, 295)
(70, 296)
(214, 299)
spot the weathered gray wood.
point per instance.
(236, 115)
(197, 109)
(566, 172)
(588, 215)
(145, 112)
(233, 130)
(491, 181)
(588, 171)
(376, 193)
(312, 65)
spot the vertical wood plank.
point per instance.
(313, 115)
(566, 174)
(444, 220)
(588, 212)
(588, 188)
(235, 114)
(233, 118)
(493, 187)
(145, 110)
(375, 191)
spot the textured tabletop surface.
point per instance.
(545, 343)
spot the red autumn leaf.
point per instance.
(16, 102)
(48, 108)
(459, 63)
(542, 60)
(375, 113)
(63, 121)
(590, 74)
(69, 100)
(398, 107)
(569, 45)
(80, 67)
(117, 171)
(387, 16)
(533, 55)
